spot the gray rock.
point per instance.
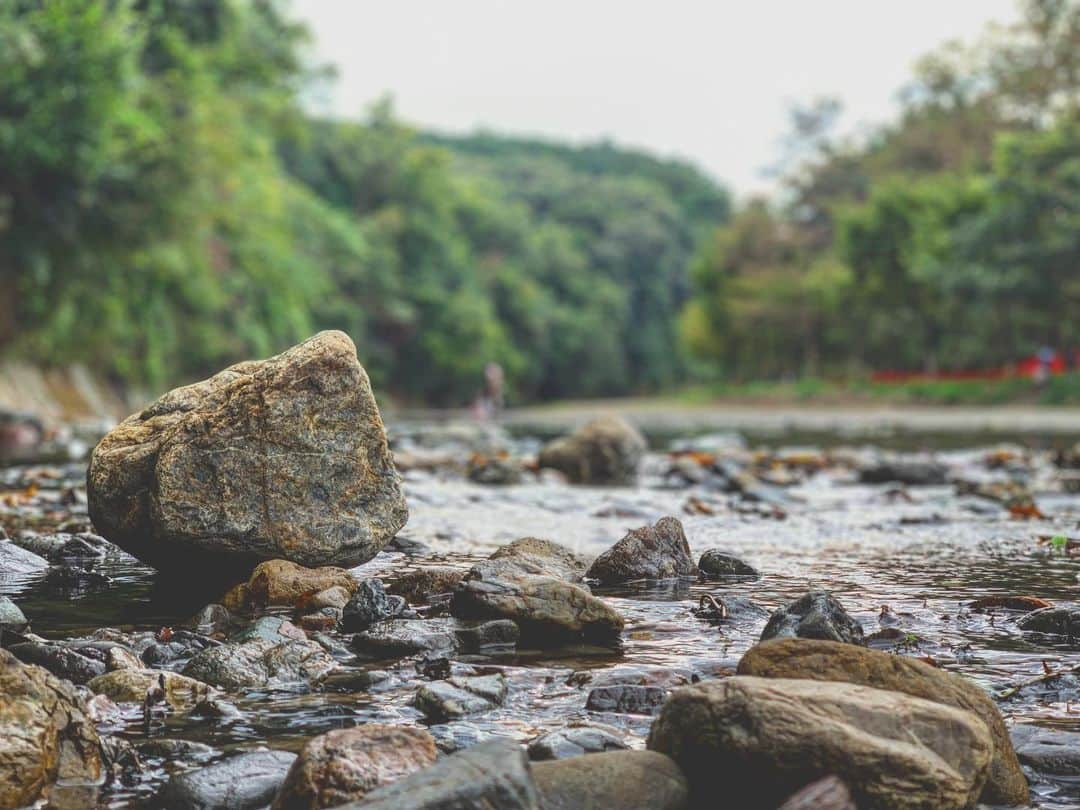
(370, 604)
(481, 635)
(11, 617)
(15, 561)
(280, 458)
(493, 774)
(762, 739)
(907, 471)
(62, 546)
(1048, 751)
(529, 556)
(421, 584)
(651, 552)
(547, 610)
(60, 660)
(170, 749)
(816, 615)
(242, 782)
(260, 663)
(400, 637)
(573, 741)
(607, 450)
(213, 618)
(455, 698)
(1060, 620)
(716, 564)
(626, 699)
(275, 629)
(453, 737)
(628, 780)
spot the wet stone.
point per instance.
(241, 782)
(629, 780)
(274, 629)
(62, 546)
(818, 615)
(1063, 620)
(626, 699)
(491, 774)
(370, 604)
(15, 561)
(260, 663)
(400, 637)
(60, 660)
(575, 740)
(716, 564)
(651, 552)
(421, 584)
(11, 617)
(455, 698)
(1052, 752)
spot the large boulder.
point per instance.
(833, 661)
(44, 734)
(546, 609)
(280, 458)
(607, 450)
(346, 764)
(651, 552)
(762, 739)
(629, 780)
(493, 774)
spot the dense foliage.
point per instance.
(948, 240)
(166, 207)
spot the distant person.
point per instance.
(1046, 357)
(491, 400)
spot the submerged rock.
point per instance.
(44, 734)
(346, 764)
(62, 546)
(260, 663)
(607, 450)
(716, 564)
(817, 615)
(242, 782)
(1048, 751)
(763, 738)
(60, 660)
(455, 698)
(547, 610)
(629, 780)
(626, 699)
(16, 561)
(11, 617)
(575, 740)
(1063, 620)
(832, 661)
(492, 774)
(651, 552)
(280, 458)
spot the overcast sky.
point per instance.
(708, 80)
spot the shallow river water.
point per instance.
(910, 558)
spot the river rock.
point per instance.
(651, 552)
(44, 734)
(607, 450)
(284, 458)
(1048, 751)
(626, 699)
(11, 617)
(455, 698)
(275, 629)
(829, 793)
(213, 618)
(131, 685)
(1062, 620)
(62, 546)
(260, 663)
(334, 597)
(241, 782)
(907, 471)
(717, 564)
(818, 615)
(762, 739)
(421, 584)
(60, 660)
(575, 740)
(832, 661)
(499, 470)
(531, 556)
(492, 774)
(629, 780)
(370, 604)
(15, 561)
(545, 609)
(401, 637)
(281, 583)
(346, 764)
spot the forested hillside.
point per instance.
(168, 208)
(948, 239)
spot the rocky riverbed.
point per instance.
(465, 658)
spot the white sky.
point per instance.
(707, 80)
